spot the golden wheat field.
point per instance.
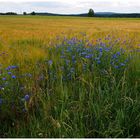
(18, 31)
(18, 27)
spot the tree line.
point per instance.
(90, 13)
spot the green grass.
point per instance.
(89, 104)
(79, 85)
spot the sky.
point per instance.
(70, 6)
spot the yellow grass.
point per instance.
(25, 37)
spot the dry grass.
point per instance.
(16, 27)
(30, 33)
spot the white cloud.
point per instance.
(70, 6)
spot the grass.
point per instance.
(69, 77)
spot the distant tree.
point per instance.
(33, 13)
(10, 13)
(2, 13)
(24, 13)
(91, 13)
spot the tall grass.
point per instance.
(70, 87)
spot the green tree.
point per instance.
(33, 13)
(24, 13)
(91, 13)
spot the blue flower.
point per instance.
(118, 53)
(9, 73)
(107, 49)
(114, 56)
(50, 62)
(14, 67)
(100, 54)
(97, 58)
(100, 49)
(13, 77)
(26, 97)
(83, 53)
(73, 58)
(122, 64)
(88, 56)
(8, 68)
(126, 61)
(11, 67)
(116, 67)
(3, 78)
(98, 62)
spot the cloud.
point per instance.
(46, 4)
(69, 6)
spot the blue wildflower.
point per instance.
(100, 54)
(107, 49)
(97, 58)
(118, 53)
(3, 78)
(73, 57)
(100, 49)
(116, 67)
(50, 62)
(126, 61)
(114, 56)
(11, 67)
(9, 73)
(122, 64)
(88, 56)
(13, 77)
(98, 62)
(26, 97)
(8, 68)
(83, 53)
(14, 67)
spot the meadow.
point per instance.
(69, 77)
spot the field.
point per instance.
(69, 77)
